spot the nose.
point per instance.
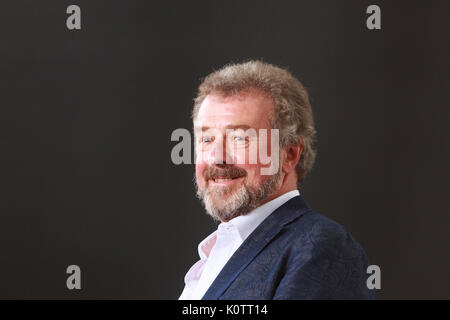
(219, 152)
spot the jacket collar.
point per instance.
(263, 234)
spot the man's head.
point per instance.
(234, 107)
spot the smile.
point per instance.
(224, 180)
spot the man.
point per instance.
(269, 243)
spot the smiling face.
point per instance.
(229, 181)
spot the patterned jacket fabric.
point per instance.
(295, 253)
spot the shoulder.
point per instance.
(321, 235)
(322, 261)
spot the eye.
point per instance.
(206, 139)
(239, 140)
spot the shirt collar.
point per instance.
(205, 247)
(246, 224)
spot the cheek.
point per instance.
(239, 157)
(253, 174)
(199, 169)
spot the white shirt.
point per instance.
(216, 249)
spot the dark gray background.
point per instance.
(86, 118)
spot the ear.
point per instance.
(292, 155)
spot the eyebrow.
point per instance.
(234, 127)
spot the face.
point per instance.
(229, 175)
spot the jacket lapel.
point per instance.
(263, 234)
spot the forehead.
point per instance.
(252, 109)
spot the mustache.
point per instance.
(228, 171)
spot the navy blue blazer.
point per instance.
(295, 253)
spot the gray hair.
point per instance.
(292, 109)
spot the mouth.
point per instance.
(224, 181)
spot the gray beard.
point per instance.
(238, 203)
